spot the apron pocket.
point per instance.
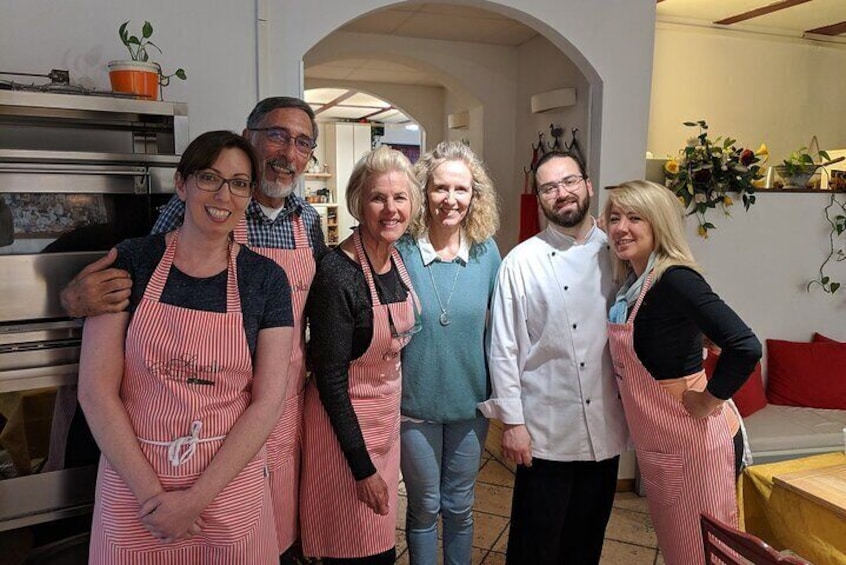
(119, 509)
(663, 475)
(235, 512)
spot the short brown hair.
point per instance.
(206, 147)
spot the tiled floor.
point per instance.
(629, 538)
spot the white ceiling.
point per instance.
(465, 23)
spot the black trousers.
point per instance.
(559, 512)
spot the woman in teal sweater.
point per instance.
(453, 262)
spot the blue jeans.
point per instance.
(439, 465)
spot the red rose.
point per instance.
(747, 156)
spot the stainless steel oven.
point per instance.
(77, 175)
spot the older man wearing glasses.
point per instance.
(280, 225)
(553, 383)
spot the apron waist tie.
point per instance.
(182, 449)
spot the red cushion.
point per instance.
(806, 374)
(820, 338)
(750, 397)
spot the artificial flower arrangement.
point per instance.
(707, 170)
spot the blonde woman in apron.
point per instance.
(182, 391)
(361, 312)
(686, 432)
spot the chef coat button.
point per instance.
(574, 326)
(582, 364)
(587, 401)
(566, 288)
(553, 253)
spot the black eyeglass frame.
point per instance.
(290, 139)
(222, 181)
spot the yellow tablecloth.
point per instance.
(787, 520)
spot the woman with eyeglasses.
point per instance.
(182, 389)
(362, 311)
(453, 261)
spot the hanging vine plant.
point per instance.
(835, 215)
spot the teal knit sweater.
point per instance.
(444, 368)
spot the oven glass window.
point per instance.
(62, 222)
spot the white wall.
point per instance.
(214, 43)
(757, 89)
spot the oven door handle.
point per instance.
(140, 174)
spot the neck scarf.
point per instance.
(628, 293)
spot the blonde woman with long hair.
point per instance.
(687, 433)
(452, 261)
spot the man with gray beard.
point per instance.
(552, 377)
(278, 224)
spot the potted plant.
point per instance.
(139, 76)
(800, 167)
(707, 170)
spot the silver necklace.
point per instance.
(444, 317)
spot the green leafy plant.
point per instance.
(800, 160)
(137, 48)
(800, 166)
(706, 170)
(835, 215)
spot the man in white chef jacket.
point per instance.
(552, 378)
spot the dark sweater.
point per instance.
(262, 285)
(340, 317)
(668, 330)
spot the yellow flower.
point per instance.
(763, 152)
(703, 231)
(671, 166)
(727, 201)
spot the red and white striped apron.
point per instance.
(334, 522)
(187, 379)
(283, 445)
(686, 463)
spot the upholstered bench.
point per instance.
(788, 432)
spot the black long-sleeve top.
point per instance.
(340, 316)
(668, 330)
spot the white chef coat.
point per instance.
(549, 360)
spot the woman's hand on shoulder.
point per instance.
(700, 404)
(373, 491)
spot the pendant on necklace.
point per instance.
(444, 319)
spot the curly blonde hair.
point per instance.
(482, 219)
(661, 208)
(380, 161)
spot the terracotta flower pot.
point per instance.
(135, 77)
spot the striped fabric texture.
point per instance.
(334, 522)
(186, 370)
(687, 464)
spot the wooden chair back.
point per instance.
(717, 538)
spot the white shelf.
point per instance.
(317, 175)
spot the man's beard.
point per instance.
(275, 190)
(568, 218)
